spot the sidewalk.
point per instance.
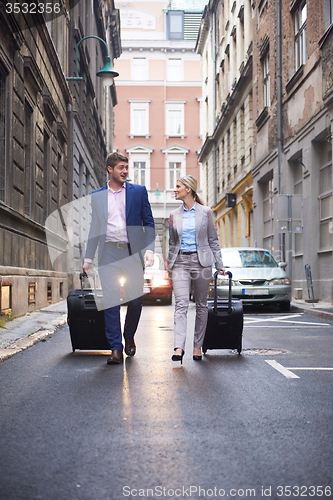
(323, 310)
(31, 328)
(34, 327)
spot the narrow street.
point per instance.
(229, 426)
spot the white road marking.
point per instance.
(274, 318)
(294, 326)
(287, 373)
(310, 368)
(285, 319)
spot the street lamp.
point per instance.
(107, 73)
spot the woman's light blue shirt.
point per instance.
(188, 243)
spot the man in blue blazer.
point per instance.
(122, 226)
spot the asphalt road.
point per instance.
(228, 427)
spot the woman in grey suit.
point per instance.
(193, 248)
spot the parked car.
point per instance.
(157, 283)
(256, 277)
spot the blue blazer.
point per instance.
(139, 221)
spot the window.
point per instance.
(139, 118)
(242, 131)
(46, 168)
(82, 187)
(325, 197)
(27, 158)
(268, 211)
(174, 122)
(139, 168)
(2, 134)
(49, 291)
(139, 164)
(32, 293)
(6, 297)
(175, 162)
(174, 172)
(300, 35)
(175, 119)
(266, 82)
(139, 68)
(298, 189)
(175, 25)
(175, 70)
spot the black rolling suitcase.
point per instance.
(225, 322)
(86, 322)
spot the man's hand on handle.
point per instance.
(87, 267)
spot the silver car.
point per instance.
(256, 277)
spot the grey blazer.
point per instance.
(208, 246)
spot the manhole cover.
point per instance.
(264, 352)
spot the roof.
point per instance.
(188, 5)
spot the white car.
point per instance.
(256, 277)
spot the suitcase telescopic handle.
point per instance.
(82, 278)
(229, 273)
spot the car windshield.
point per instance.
(248, 258)
(158, 264)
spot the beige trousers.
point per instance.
(185, 269)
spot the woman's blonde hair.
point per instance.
(190, 182)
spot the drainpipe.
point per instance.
(214, 109)
(279, 115)
(279, 89)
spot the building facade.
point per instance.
(292, 173)
(225, 44)
(157, 118)
(52, 142)
(267, 89)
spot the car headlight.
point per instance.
(160, 282)
(279, 281)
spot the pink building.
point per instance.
(157, 118)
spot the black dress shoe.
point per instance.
(116, 358)
(197, 358)
(130, 347)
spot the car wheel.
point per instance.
(285, 306)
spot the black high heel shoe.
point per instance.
(197, 357)
(178, 357)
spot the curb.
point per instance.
(25, 342)
(314, 312)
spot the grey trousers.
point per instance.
(185, 269)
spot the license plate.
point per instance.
(256, 291)
(146, 289)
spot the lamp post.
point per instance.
(107, 73)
